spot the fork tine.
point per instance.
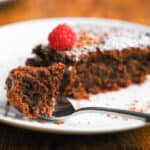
(7, 107)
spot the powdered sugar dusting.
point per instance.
(93, 38)
(122, 39)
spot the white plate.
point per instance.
(16, 42)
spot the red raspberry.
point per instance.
(62, 37)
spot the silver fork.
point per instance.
(65, 109)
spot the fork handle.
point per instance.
(145, 116)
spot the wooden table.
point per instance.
(132, 10)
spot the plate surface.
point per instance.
(17, 41)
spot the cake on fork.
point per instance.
(34, 90)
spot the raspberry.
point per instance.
(61, 38)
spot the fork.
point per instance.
(64, 109)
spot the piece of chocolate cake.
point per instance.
(33, 90)
(102, 59)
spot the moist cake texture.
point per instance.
(33, 90)
(102, 59)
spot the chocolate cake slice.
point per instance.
(102, 59)
(34, 90)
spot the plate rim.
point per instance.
(20, 124)
(99, 19)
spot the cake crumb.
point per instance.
(42, 121)
(108, 115)
(136, 109)
(114, 117)
(58, 122)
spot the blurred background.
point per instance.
(20, 10)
